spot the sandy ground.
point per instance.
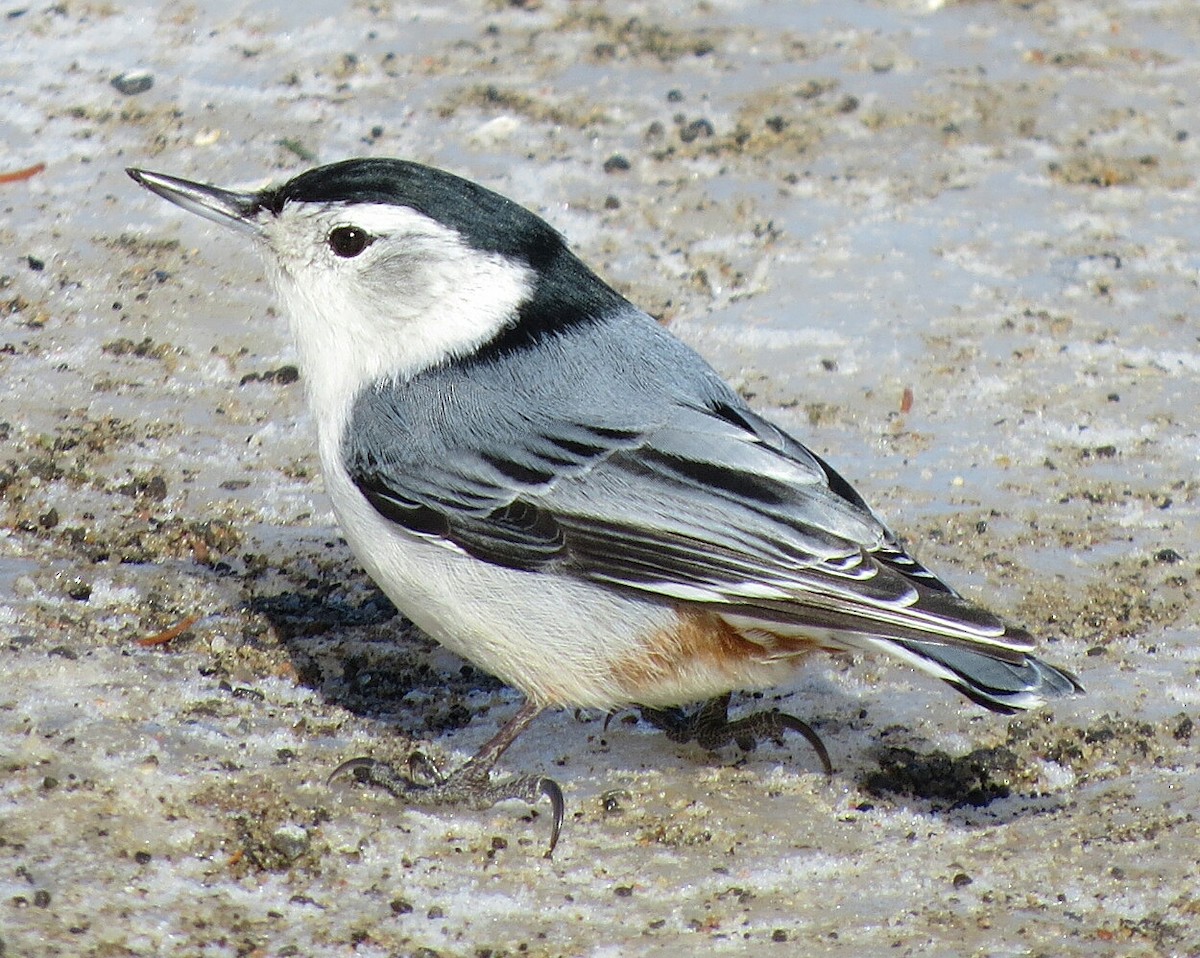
(991, 204)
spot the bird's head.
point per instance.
(386, 268)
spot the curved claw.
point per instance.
(813, 739)
(558, 807)
(352, 765)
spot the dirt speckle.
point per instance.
(1104, 171)
(974, 779)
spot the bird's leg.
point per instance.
(709, 727)
(471, 784)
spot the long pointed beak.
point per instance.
(226, 207)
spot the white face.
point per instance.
(414, 296)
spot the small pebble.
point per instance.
(63, 652)
(611, 801)
(132, 82)
(290, 840)
(695, 130)
(156, 489)
(79, 591)
(616, 164)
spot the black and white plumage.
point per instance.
(549, 483)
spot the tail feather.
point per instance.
(921, 620)
(1003, 685)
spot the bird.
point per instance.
(549, 483)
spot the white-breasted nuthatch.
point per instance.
(552, 486)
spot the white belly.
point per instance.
(558, 640)
(548, 636)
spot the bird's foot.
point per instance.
(710, 728)
(472, 786)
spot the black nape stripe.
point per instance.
(566, 295)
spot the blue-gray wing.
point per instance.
(613, 454)
(698, 506)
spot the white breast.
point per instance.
(552, 638)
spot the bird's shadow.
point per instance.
(359, 653)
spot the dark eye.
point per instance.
(349, 241)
